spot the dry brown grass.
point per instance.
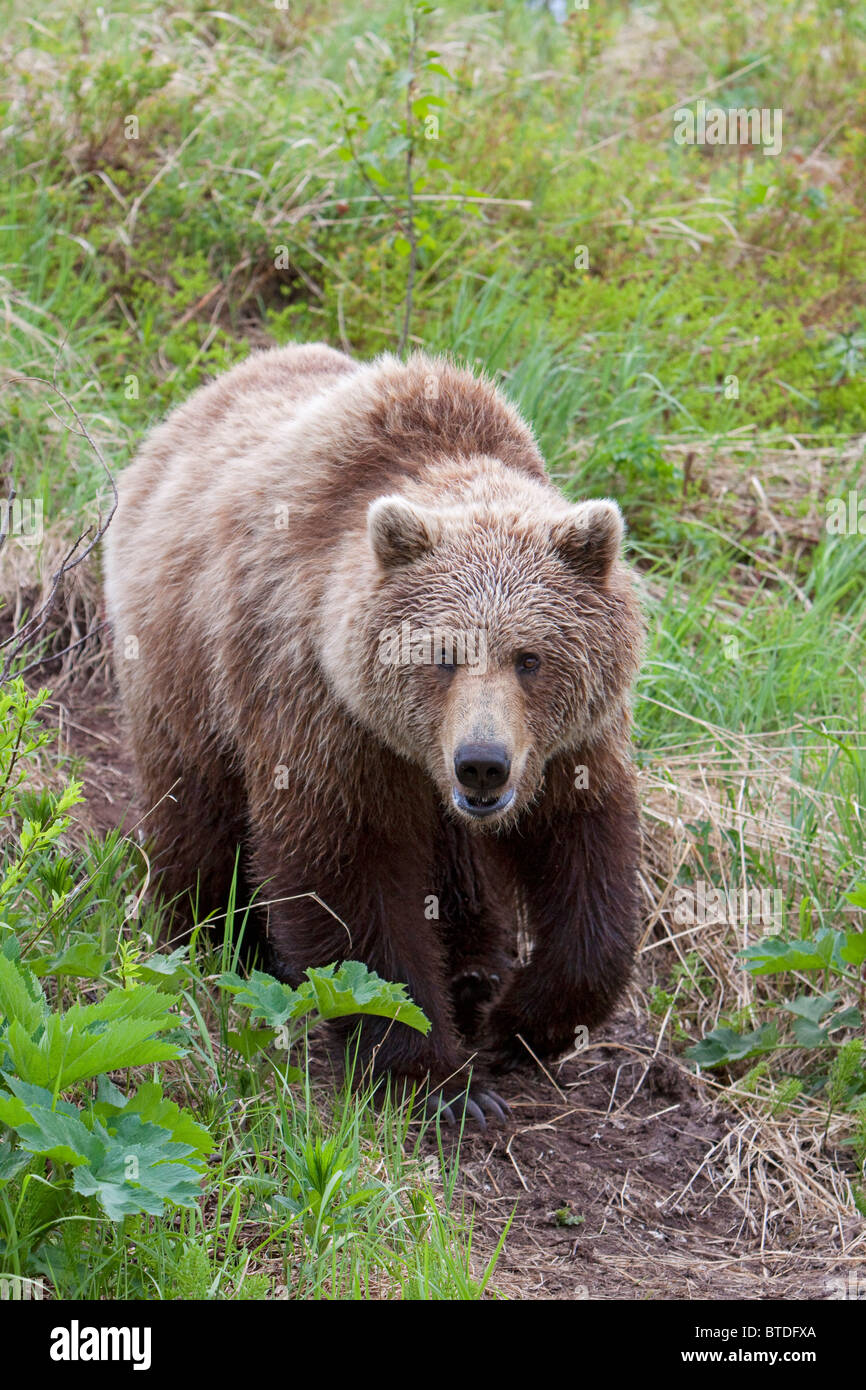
(772, 1165)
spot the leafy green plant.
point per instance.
(814, 1022)
(564, 1216)
(40, 818)
(324, 1191)
(47, 1047)
(329, 992)
(845, 356)
(398, 157)
(127, 1151)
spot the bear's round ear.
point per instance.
(589, 537)
(400, 532)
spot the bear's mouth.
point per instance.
(481, 806)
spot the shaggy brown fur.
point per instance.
(269, 533)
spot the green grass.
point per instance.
(702, 264)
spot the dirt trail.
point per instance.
(616, 1165)
(614, 1197)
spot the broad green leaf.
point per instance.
(353, 989)
(109, 1094)
(846, 1018)
(133, 1163)
(83, 960)
(116, 1032)
(21, 997)
(151, 1105)
(36, 1095)
(854, 950)
(168, 972)
(813, 1007)
(725, 1045)
(290, 1075)
(808, 1034)
(812, 1010)
(249, 1041)
(13, 1111)
(266, 998)
(137, 1168)
(12, 1161)
(61, 1056)
(144, 1002)
(773, 954)
(44, 1126)
(328, 991)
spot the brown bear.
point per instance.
(360, 634)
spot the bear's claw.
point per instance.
(476, 1103)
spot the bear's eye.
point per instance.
(526, 662)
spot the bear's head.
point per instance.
(495, 633)
(495, 628)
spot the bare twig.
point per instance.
(64, 651)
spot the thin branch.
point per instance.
(55, 656)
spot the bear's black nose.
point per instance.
(482, 766)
